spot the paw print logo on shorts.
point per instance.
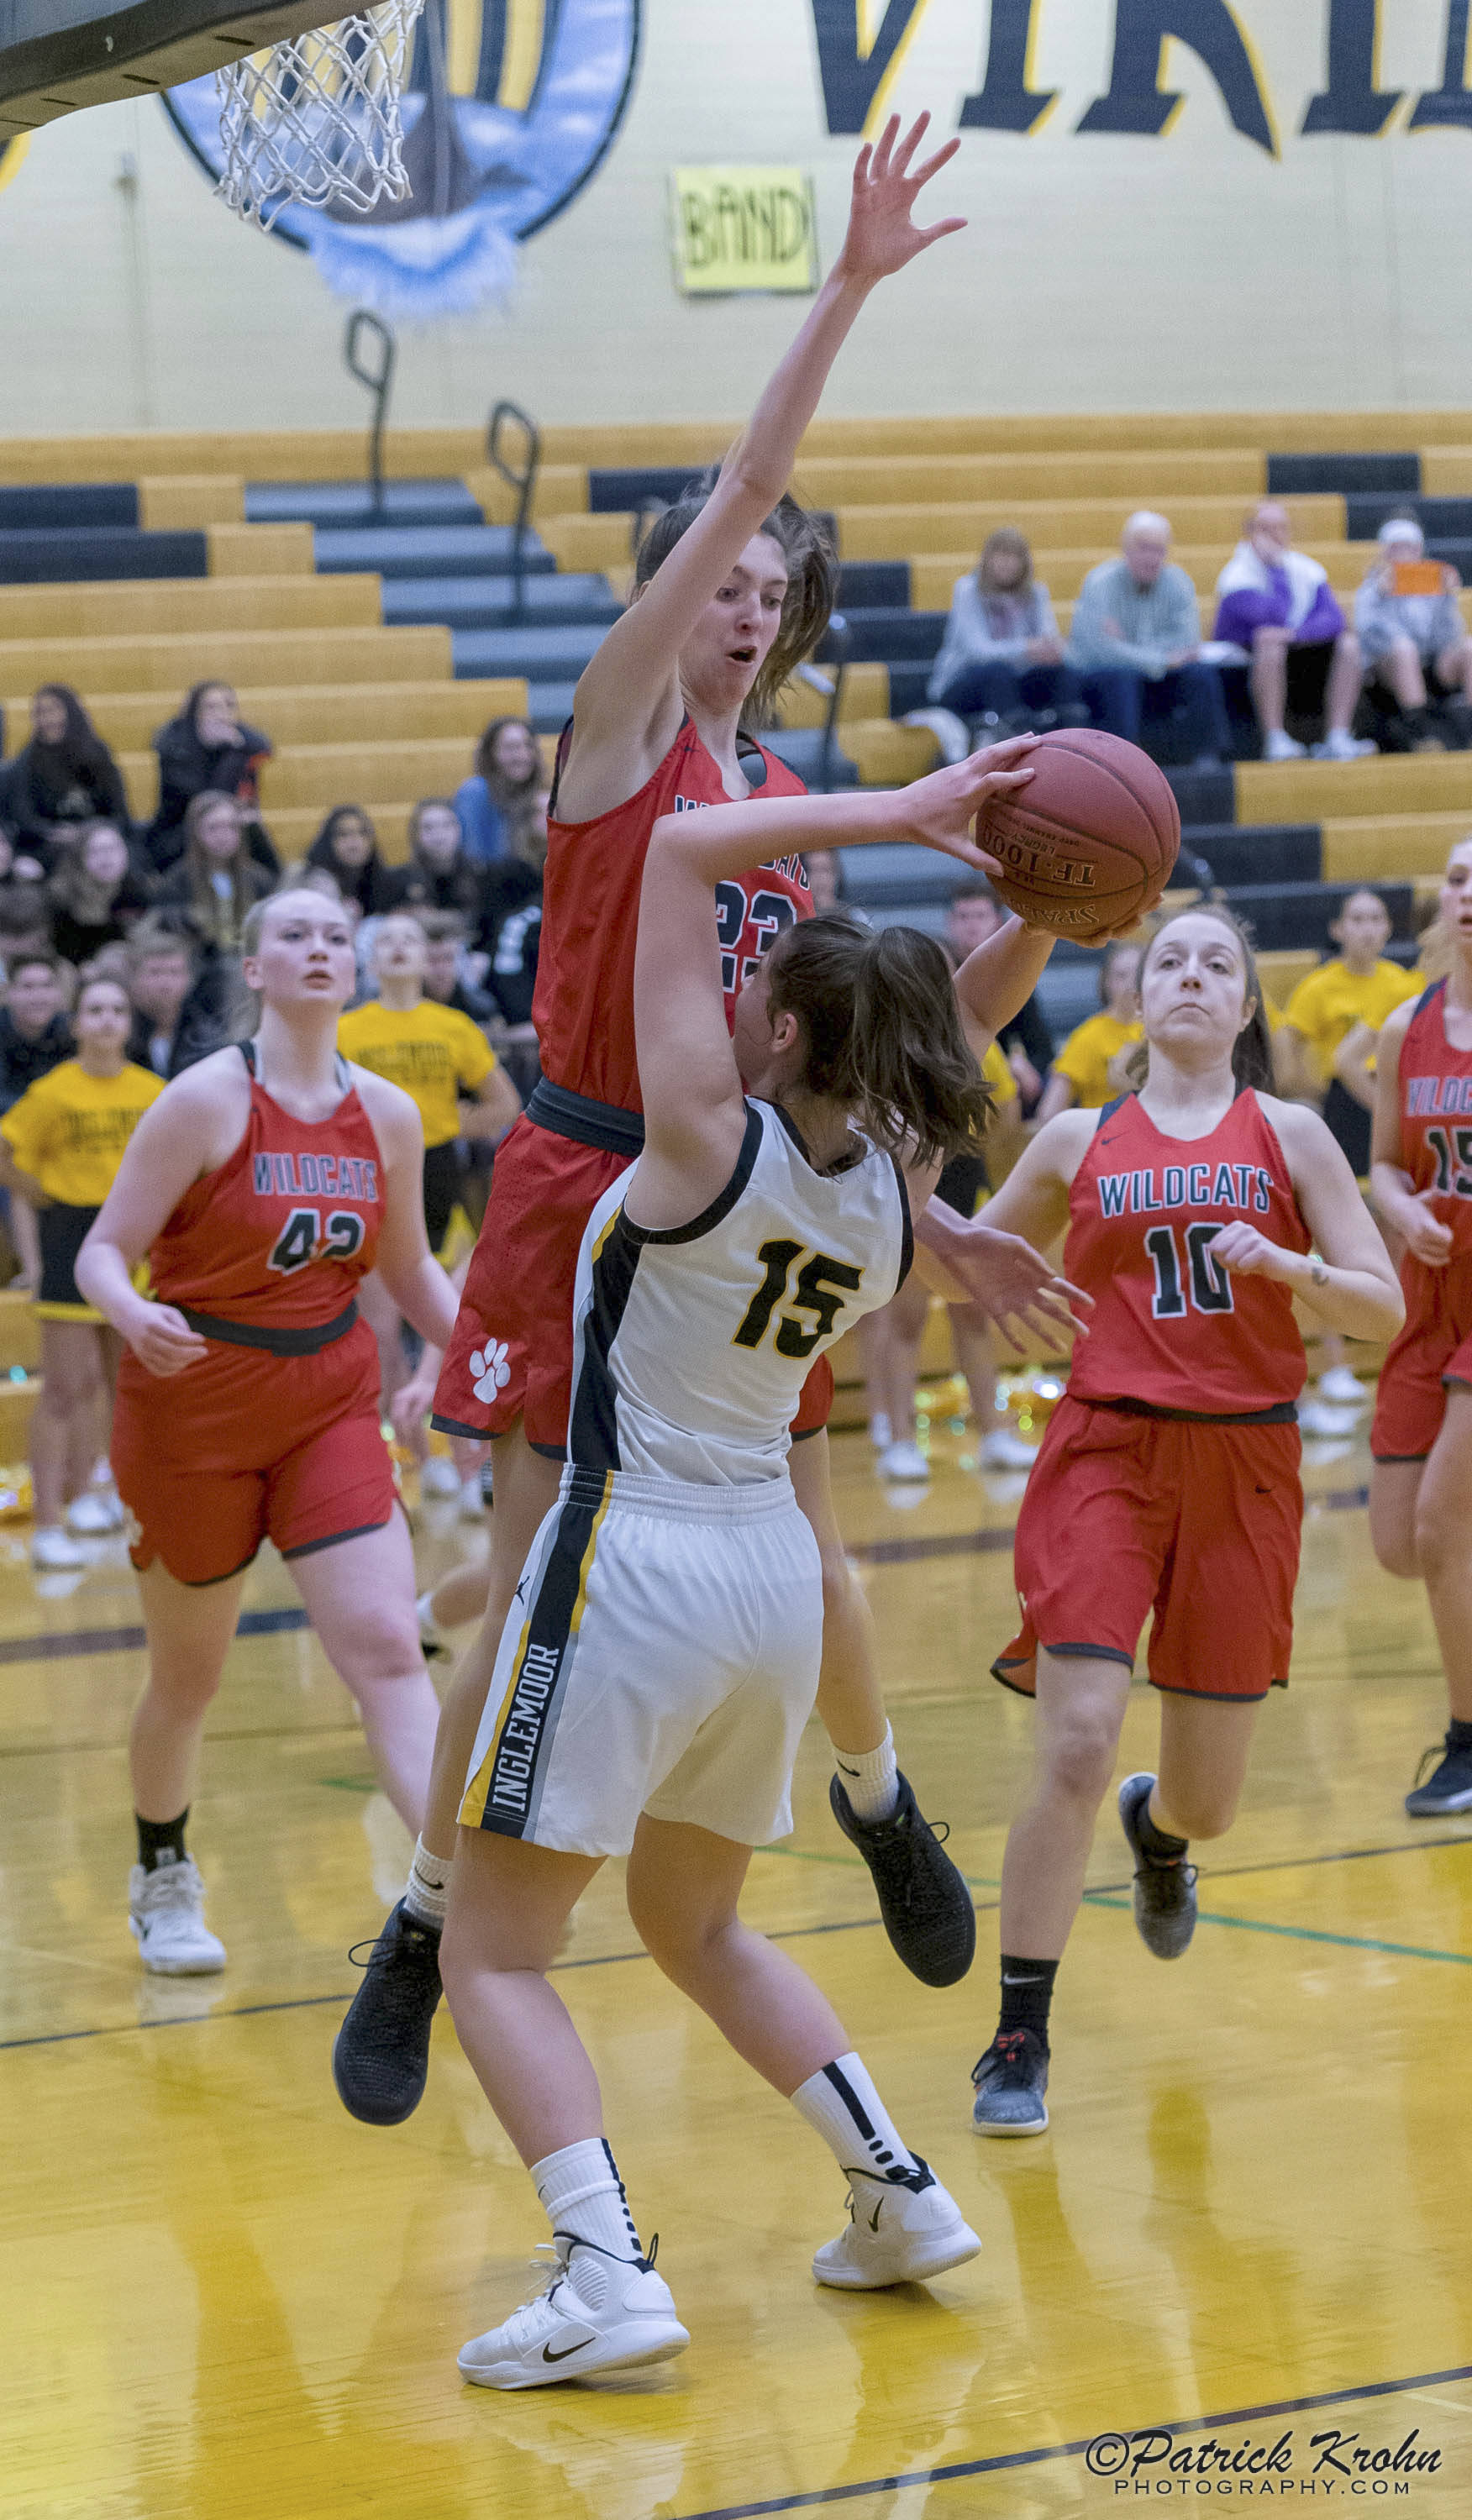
(490, 1369)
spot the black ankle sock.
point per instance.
(1027, 1994)
(160, 1840)
(1158, 1843)
(1458, 1733)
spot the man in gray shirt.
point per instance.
(1135, 639)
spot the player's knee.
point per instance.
(1082, 1755)
(1396, 1550)
(837, 1575)
(378, 1647)
(1441, 1538)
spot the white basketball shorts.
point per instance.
(662, 1656)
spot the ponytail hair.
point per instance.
(811, 556)
(883, 1032)
(1251, 1051)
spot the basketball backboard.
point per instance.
(56, 55)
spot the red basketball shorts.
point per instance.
(245, 1447)
(1199, 1523)
(511, 1355)
(1432, 1350)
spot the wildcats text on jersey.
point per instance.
(293, 1176)
(1153, 1188)
(1437, 1097)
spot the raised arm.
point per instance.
(627, 709)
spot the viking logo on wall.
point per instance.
(509, 109)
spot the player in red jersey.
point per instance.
(263, 1186)
(733, 588)
(1168, 1479)
(1421, 1437)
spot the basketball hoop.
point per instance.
(317, 120)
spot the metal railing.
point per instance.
(520, 480)
(379, 382)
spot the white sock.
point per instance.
(582, 2197)
(870, 1779)
(842, 2106)
(428, 1895)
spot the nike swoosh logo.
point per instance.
(874, 2218)
(549, 2357)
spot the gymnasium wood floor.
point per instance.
(222, 2300)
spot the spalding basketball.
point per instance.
(1090, 843)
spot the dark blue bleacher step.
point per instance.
(895, 876)
(351, 503)
(541, 650)
(1203, 797)
(1283, 917)
(1254, 852)
(56, 556)
(549, 704)
(1442, 520)
(401, 551)
(615, 489)
(909, 687)
(44, 507)
(1394, 476)
(486, 602)
(870, 582)
(880, 634)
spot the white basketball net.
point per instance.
(317, 120)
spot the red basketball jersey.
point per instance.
(1436, 1116)
(281, 1233)
(583, 1009)
(1168, 1328)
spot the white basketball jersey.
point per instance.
(692, 1344)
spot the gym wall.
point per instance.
(1210, 253)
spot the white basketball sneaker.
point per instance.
(601, 2313)
(166, 1913)
(895, 2236)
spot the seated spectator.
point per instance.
(162, 971)
(1357, 986)
(62, 778)
(347, 847)
(36, 1036)
(1085, 1070)
(1135, 637)
(1276, 608)
(96, 894)
(1415, 644)
(1001, 655)
(216, 881)
(25, 923)
(496, 800)
(445, 978)
(439, 876)
(1026, 1043)
(206, 749)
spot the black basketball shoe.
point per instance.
(1010, 2082)
(926, 1906)
(1165, 1888)
(381, 2055)
(1448, 1788)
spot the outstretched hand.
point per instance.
(942, 810)
(1015, 1286)
(882, 235)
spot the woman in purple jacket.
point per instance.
(1276, 608)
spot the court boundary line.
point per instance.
(955, 2472)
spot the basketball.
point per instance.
(1090, 845)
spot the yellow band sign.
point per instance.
(743, 228)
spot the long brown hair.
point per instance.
(1251, 1051)
(204, 903)
(807, 547)
(1006, 543)
(883, 1033)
